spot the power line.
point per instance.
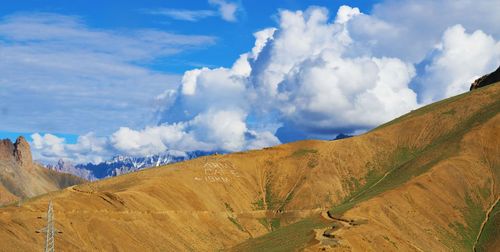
(49, 230)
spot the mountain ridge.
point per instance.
(423, 181)
(122, 164)
(20, 177)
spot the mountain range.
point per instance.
(426, 181)
(119, 165)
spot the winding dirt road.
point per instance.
(488, 213)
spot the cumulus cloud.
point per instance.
(459, 59)
(48, 145)
(153, 140)
(309, 83)
(409, 29)
(330, 81)
(227, 128)
(88, 148)
(227, 132)
(314, 76)
(334, 94)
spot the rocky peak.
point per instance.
(63, 165)
(19, 151)
(22, 151)
(486, 79)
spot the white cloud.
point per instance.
(460, 59)
(227, 10)
(261, 39)
(316, 77)
(409, 29)
(308, 83)
(226, 129)
(335, 94)
(320, 89)
(221, 129)
(48, 144)
(88, 148)
(228, 132)
(151, 140)
(262, 139)
(58, 75)
(185, 15)
(284, 51)
(346, 13)
(324, 83)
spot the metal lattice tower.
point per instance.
(50, 230)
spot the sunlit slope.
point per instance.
(439, 198)
(18, 182)
(436, 198)
(423, 181)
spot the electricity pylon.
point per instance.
(50, 230)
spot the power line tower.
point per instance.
(49, 230)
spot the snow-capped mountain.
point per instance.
(122, 164)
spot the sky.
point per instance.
(86, 80)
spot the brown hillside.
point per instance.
(21, 178)
(421, 182)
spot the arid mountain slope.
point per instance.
(436, 198)
(421, 182)
(21, 178)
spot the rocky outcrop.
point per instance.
(20, 177)
(19, 151)
(22, 151)
(486, 79)
(6, 149)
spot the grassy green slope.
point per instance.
(408, 163)
(292, 237)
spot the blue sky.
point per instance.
(87, 80)
(232, 38)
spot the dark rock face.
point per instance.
(19, 151)
(486, 80)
